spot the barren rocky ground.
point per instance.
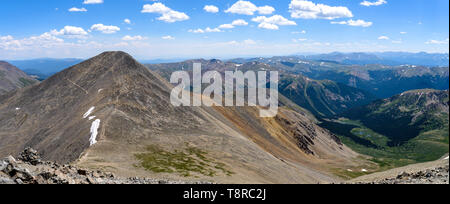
(29, 169)
(425, 173)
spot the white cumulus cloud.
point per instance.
(299, 40)
(383, 38)
(248, 8)
(239, 22)
(309, 10)
(127, 21)
(206, 30)
(6, 38)
(196, 31)
(167, 14)
(211, 9)
(357, 23)
(268, 26)
(70, 31)
(226, 26)
(212, 30)
(374, 3)
(75, 9)
(105, 28)
(437, 42)
(133, 38)
(43, 41)
(168, 37)
(272, 23)
(93, 2)
(299, 32)
(266, 10)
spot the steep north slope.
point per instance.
(405, 129)
(12, 78)
(323, 98)
(405, 116)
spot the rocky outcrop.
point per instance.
(29, 169)
(304, 133)
(30, 156)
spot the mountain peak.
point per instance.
(115, 53)
(112, 57)
(114, 62)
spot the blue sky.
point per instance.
(169, 29)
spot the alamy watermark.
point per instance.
(262, 90)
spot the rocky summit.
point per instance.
(29, 169)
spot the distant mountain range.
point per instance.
(385, 58)
(322, 98)
(12, 78)
(44, 68)
(361, 58)
(381, 80)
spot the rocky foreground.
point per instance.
(431, 176)
(29, 169)
(435, 172)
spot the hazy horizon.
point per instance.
(220, 58)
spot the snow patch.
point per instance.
(446, 158)
(364, 170)
(349, 170)
(100, 90)
(17, 108)
(88, 112)
(94, 132)
(92, 117)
